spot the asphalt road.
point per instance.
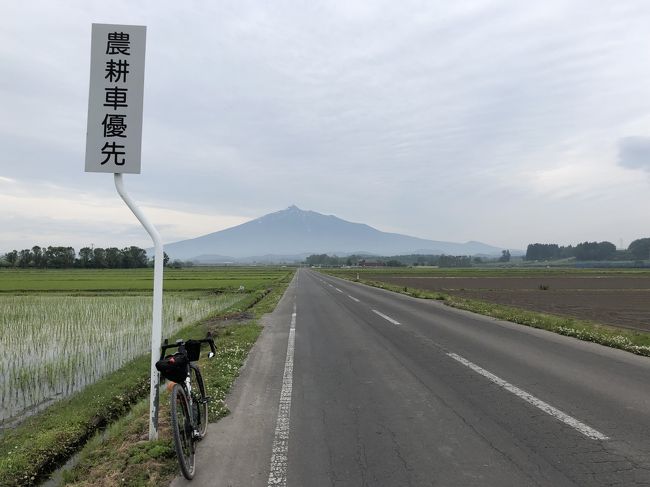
(354, 386)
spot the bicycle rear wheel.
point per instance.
(182, 431)
(199, 401)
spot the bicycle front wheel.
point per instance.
(199, 401)
(182, 431)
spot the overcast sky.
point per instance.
(506, 122)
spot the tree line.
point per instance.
(585, 251)
(389, 261)
(88, 258)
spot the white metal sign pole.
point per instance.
(156, 330)
(114, 141)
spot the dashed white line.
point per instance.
(338, 289)
(547, 408)
(280, 451)
(387, 318)
(353, 299)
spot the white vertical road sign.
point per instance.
(114, 142)
(114, 137)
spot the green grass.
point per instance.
(124, 451)
(43, 441)
(634, 342)
(630, 341)
(125, 447)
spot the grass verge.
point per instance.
(122, 455)
(630, 341)
(31, 451)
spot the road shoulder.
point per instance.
(237, 449)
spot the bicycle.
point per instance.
(189, 404)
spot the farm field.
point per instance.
(618, 298)
(124, 280)
(64, 329)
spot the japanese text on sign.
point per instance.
(113, 142)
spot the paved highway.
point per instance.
(355, 386)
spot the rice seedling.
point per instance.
(53, 345)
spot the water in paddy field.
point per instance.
(53, 346)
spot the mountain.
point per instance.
(293, 233)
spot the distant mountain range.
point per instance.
(293, 234)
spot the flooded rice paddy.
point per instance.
(52, 345)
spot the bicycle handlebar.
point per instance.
(213, 348)
(180, 344)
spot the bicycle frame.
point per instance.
(187, 383)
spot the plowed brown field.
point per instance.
(618, 300)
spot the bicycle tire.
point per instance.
(199, 401)
(181, 424)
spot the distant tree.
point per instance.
(134, 257)
(12, 258)
(567, 252)
(37, 256)
(322, 259)
(113, 258)
(640, 249)
(60, 257)
(24, 258)
(454, 261)
(165, 260)
(539, 251)
(505, 256)
(394, 263)
(85, 257)
(66, 257)
(99, 258)
(595, 251)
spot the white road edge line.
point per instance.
(280, 451)
(387, 318)
(538, 403)
(353, 298)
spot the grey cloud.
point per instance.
(377, 112)
(634, 153)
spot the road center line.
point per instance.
(538, 403)
(353, 298)
(387, 318)
(338, 289)
(280, 451)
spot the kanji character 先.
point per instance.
(111, 149)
